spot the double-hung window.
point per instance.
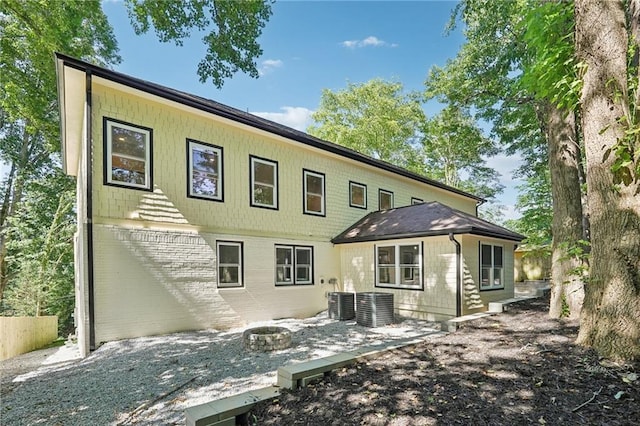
(230, 268)
(399, 266)
(127, 154)
(385, 200)
(264, 183)
(294, 265)
(491, 267)
(314, 196)
(358, 195)
(204, 171)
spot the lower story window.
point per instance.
(229, 264)
(399, 265)
(491, 267)
(294, 265)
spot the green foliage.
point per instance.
(40, 251)
(581, 251)
(234, 28)
(375, 118)
(535, 205)
(551, 71)
(36, 250)
(454, 149)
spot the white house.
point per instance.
(194, 215)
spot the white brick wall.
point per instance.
(154, 282)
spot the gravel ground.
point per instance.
(152, 380)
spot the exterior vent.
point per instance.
(341, 306)
(374, 309)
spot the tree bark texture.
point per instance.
(610, 320)
(566, 226)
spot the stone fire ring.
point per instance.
(264, 339)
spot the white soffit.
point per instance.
(72, 93)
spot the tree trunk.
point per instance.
(610, 320)
(564, 164)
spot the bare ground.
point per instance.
(520, 367)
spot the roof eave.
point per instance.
(438, 233)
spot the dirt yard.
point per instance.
(519, 367)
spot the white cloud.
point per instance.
(371, 41)
(298, 118)
(269, 65)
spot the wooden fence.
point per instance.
(19, 335)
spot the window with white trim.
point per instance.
(230, 267)
(357, 195)
(491, 267)
(204, 170)
(314, 193)
(264, 183)
(399, 266)
(127, 154)
(294, 265)
(385, 199)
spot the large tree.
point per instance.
(610, 321)
(231, 28)
(455, 149)
(29, 34)
(375, 118)
(487, 74)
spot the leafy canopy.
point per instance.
(233, 31)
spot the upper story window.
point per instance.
(357, 195)
(127, 154)
(204, 170)
(385, 200)
(314, 196)
(264, 183)
(399, 266)
(415, 200)
(230, 268)
(294, 265)
(491, 267)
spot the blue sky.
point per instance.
(307, 47)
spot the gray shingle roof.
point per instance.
(421, 220)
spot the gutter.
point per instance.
(89, 223)
(459, 289)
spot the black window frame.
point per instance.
(386, 192)
(305, 173)
(190, 193)
(492, 267)
(107, 165)
(240, 245)
(364, 188)
(276, 186)
(398, 266)
(294, 265)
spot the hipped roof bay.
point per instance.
(421, 220)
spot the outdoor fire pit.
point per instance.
(264, 339)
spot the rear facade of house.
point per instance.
(194, 215)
